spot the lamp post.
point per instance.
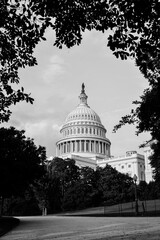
(136, 199)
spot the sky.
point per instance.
(55, 83)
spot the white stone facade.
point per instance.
(84, 140)
(131, 163)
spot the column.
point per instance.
(84, 145)
(73, 146)
(69, 147)
(64, 149)
(99, 147)
(61, 148)
(76, 146)
(80, 149)
(102, 148)
(90, 146)
(95, 146)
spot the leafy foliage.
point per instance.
(134, 32)
(21, 162)
(116, 187)
(69, 187)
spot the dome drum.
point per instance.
(84, 146)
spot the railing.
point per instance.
(149, 207)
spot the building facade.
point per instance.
(84, 140)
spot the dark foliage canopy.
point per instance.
(70, 187)
(21, 162)
(134, 32)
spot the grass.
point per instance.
(148, 208)
(152, 208)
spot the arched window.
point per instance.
(78, 130)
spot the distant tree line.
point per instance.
(28, 184)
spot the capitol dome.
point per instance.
(83, 133)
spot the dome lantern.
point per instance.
(83, 97)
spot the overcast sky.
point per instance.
(55, 84)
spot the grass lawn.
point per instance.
(149, 208)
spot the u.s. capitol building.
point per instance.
(84, 140)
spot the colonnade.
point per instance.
(92, 146)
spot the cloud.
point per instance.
(56, 67)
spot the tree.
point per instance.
(21, 162)
(134, 33)
(63, 174)
(115, 186)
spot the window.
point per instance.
(82, 130)
(122, 167)
(129, 165)
(86, 130)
